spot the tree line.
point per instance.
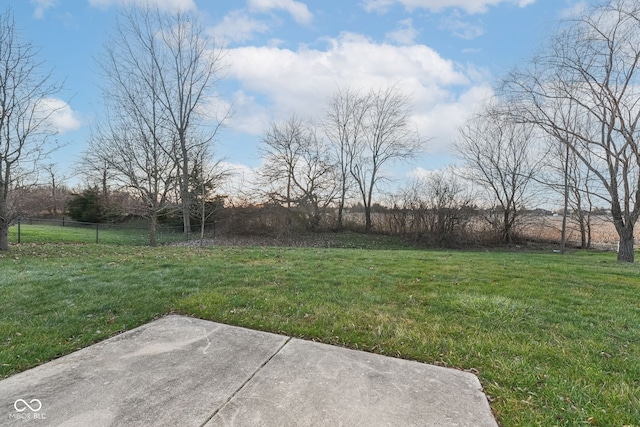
(564, 122)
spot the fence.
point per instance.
(35, 230)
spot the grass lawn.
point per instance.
(554, 339)
(86, 233)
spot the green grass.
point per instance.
(86, 233)
(554, 339)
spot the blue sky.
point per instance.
(289, 56)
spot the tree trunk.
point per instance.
(367, 219)
(506, 226)
(341, 203)
(186, 195)
(152, 229)
(565, 210)
(367, 204)
(4, 224)
(105, 186)
(4, 236)
(53, 194)
(625, 246)
(588, 227)
(583, 217)
(203, 216)
(316, 216)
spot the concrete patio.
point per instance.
(180, 371)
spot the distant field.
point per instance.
(603, 232)
(539, 228)
(554, 339)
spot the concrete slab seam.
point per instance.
(244, 384)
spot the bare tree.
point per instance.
(449, 205)
(280, 153)
(57, 189)
(434, 208)
(386, 136)
(297, 170)
(316, 180)
(96, 172)
(499, 156)
(568, 176)
(206, 178)
(134, 142)
(591, 69)
(140, 161)
(25, 89)
(581, 199)
(189, 65)
(343, 126)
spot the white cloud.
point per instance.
(461, 28)
(469, 6)
(441, 121)
(162, 4)
(61, 118)
(41, 6)
(453, 173)
(248, 115)
(278, 82)
(300, 80)
(404, 34)
(240, 26)
(237, 26)
(380, 6)
(239, 183)
(575, 10)
(424, 175)
(420, 173)
(296, 9)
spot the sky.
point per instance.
(290, 56)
